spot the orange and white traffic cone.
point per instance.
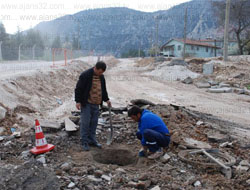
(41, 143)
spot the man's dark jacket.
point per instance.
(84, 85)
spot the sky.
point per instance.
(24, 14)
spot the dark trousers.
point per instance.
(89, 121)
(154, 139)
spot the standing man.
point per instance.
(152, 132)
(90, 92)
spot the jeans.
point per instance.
(154, 139)
(89, 121)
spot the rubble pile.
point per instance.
(118, 166)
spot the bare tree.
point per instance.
(239, 19)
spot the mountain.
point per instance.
(116, 30)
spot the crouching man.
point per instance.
(152, 132)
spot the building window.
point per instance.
(198, 48)
(206, 49)
(192, 47)
(212, 50)
(179, 47)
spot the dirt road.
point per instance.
(126, 82)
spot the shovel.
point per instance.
(110, 136)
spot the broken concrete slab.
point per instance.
(156, 188)
(2, 130)
(217, 137)
(2, 112)
(165, 158)
(75, 119)
(177, 61)
(187, 80)
(220, 90)
(223, 85)
(239, 91)
(93, 178)
(192, 143)
(69, 125)
(202, 85)
(213, 83)
(50, 126)
(246, 91)
(208, 68)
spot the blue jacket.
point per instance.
(152, 121)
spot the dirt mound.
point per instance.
(144, 62)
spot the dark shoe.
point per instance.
(96, 145)
(85, 146)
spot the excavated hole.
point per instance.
(120, 157)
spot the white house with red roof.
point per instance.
(194, 48)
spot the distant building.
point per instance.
(194, 48)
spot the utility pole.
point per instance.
(1, 57)
(33, 51)
(185, 34)
(19, 52)
(151, 43)
(157, 33)
(225, 51)
(215, 51)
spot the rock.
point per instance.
(71, 185)
(120, 170)
(156, 188)
(105, 177)
(226, 144)
(177, 61)
(208, 68)
(141, 185)
(239, 91)
(242, 169)
(50, 126)
(25, 155)
(192, 143)
(247, 92)
(17, 134)
(41, 159)
(197, 184)
(202, 85)
(143, 177)
(165, 158)
(248, 181)
(132, 184)
(98, 173)
(213, 83)
(217, 137)
(182, 147)
(222, 85)
(239, 76)
(69, 125)
(2, 130)
(187, 80)
(8, 143)
(93, 178)
(66, 166)
(2, 112)
(220, 90)
(244, 163)
(198, 123)
(1, 139)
